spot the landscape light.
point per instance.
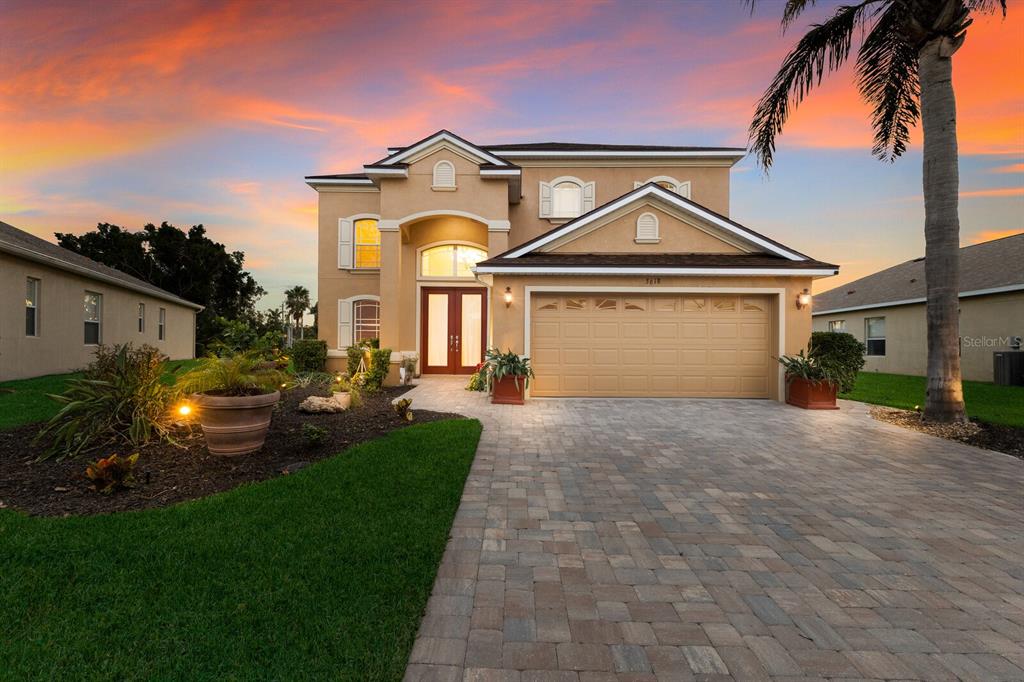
(184, 409)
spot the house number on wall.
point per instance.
(654, 280)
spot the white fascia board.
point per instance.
(377, 170)
(317, 182)
(500, 172)
(619, 154)
(598, 270)
(912, 301)
(671, 198)
(433, 139)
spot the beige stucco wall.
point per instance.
(986, 325)
(619, 236)
(508, 324)
(401, 197)
(59, 346)
(709, 186)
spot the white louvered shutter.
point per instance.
(684, 189)
(637, 184)
(588, 197)
(545, 200)
(344, 243)
(344, 323)
(647, 227)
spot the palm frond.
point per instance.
(986, 6)
(887, 79)
(822, 50)
(792, 10)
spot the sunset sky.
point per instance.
(212, 112)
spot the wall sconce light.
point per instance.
(803, 299)
(508, 297)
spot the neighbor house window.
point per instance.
(142, 317)
(161, 324)
(93, 318)
(874, 335)
(444, 175)
(566, 198)
(366, 320)
(31, 307)
(367, 244)
(837, 325)
(450, 260)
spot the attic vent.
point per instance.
(444, 174)
(647, 229)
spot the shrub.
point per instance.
(313, 380)
(800, 366)
(355, 360)
(403, 408)
(237, 375)
(120, 400)
(309, 355)
(498, 365)
(112, 473)
(841, 353)
(313, 435)
(380, 363)
(478, 380)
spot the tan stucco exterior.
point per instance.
(987, 323)
(59, 345)
(413, 214)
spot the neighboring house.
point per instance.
(615, 268)
(56, 306)
(886, 310)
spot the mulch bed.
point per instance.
(166, 474)
(1005, 439)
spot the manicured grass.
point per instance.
(322, 574)
(987, 402)
(28, 402)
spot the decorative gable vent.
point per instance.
(444, 174)
(647, 229)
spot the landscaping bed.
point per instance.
(166, 473)
(1005, 439)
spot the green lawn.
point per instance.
(24, 401)
(987, 402)
(322, 574)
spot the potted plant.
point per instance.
(235, 398)
(809, 384)
(508, 376)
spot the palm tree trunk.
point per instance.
(944, 400)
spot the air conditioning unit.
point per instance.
(1008, 367)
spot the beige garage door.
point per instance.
(682, 345)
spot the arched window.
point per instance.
(358, 242)
(566, 197)
(449, 261)
(667, 182)
(647, 229)
(444, 174)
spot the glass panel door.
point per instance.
(436, 333)
(471, 334)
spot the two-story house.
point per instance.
(615, 268)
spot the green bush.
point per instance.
(238, 375)
(309, 355)
(120, 400)
(313, 435)
(112, 473)
(380, 362)
(841, 353)
(355, 357)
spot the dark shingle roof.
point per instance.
(648, 260)
(585, 147)
(22, 244)
(989, 265)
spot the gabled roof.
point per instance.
(339, 179)
(449, 137)
(651, 190)
(570, 149)
(24, 245)
(986, 268)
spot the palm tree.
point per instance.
(296, 301)
(905, 71)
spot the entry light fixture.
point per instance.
(508, 297)
(803, 299)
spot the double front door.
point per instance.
(454, 329)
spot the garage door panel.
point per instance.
(654, 345)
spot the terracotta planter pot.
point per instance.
(810, 395)
(343, 398)
(506, 393)
(235, 425)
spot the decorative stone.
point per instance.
(316, 405)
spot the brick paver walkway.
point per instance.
(711, 539)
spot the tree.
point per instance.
(296, 302)
(904, 70)
(189, 265)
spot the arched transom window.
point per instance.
(666, 182)
(450, 260)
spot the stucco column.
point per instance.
(497, 237)
(390, 283)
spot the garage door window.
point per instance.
(576, 304)
(693, 305)
(874, 333)
(607, 304)
(637, 304)
(724, 305)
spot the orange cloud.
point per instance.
(1011, 168)
(995, 192)
(989, 235)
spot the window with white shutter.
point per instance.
(444, 175)
(647, 229)
(344, 243)
(566, 197)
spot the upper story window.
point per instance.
(669, 183)
(450, 260)
(444, 175)
(93, 313)
(358, 242)
(647, 229)
(566, 197)
(142, 318)
(31, 307)
(874, 335)
(837, 325)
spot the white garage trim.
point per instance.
(778, 292)
(613, 270)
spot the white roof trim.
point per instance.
(501, 172)
(444, 136)
(313, 182)
(672, 199)
(376, 170)
(640, 270)
(911, 301)
(515, 153)
(46, 259)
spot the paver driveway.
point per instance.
(714, 539)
